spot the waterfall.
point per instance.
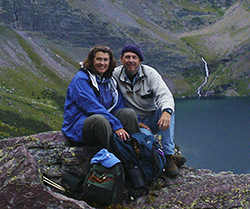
(206, 78)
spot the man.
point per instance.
(145, 91)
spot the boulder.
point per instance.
(24, 161)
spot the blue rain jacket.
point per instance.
(83, 99)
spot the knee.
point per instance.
(96, 119)
(130, 112)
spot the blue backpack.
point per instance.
(143, 152)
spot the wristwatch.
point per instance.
(170, 111)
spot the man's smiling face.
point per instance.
(131, 62)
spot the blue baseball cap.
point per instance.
(106, 158)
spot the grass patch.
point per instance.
(198, 44)
(65, 57)
(29, 50)
(29, 105)
(24, 116)
(13, 125)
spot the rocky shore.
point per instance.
(24, 160)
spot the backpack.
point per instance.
(142, 152)
(103, 186)
(72, 182)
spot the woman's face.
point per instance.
(101, 63)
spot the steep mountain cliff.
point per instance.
(43, 41)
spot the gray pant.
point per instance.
(97, 129)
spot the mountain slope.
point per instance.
(226, 45)
(31, 93)
(42, 43)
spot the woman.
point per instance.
(94, 109)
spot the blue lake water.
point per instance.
(214, 133)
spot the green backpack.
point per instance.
(103, 185)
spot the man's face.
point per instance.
(101, 63)
(131, 62)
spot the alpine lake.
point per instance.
(214, 133)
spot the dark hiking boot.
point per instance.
(179, 160)
(171, 169)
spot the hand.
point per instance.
(122, 134)
(164, 121)
(142, 125)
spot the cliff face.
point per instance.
(24, 160)
(173, 35)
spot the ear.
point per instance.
(121, 59)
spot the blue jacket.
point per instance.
(83, 100)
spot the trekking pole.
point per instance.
(52, 183)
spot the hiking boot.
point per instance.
(179, 160)
(171, 169)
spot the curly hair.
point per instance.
(88, 63)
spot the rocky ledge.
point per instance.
(24, 161)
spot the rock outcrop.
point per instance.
(24, 160)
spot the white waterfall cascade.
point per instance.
(206, 78)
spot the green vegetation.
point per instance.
(28, 49)
(31, 97)
(26, 103)
(25, 116)
(65, 56)
(198, 44)
(246, 5)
